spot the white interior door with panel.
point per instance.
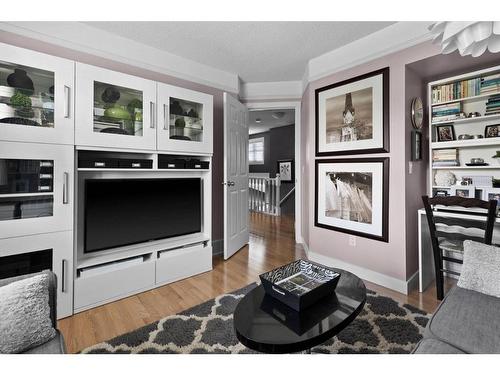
(36, 188)
(235, 176)
(36, 97)
(114, 110)
(52, 251)
(186, 124)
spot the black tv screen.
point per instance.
(122, 212)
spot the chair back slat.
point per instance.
(459, 222)
(453, 234)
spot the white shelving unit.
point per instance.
(483, 148)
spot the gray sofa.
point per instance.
(465, 322)
(56, 345)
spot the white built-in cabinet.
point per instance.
(185, 120)
(36, 188)
(36, 97)
(114, 110)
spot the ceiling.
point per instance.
(256, 51)
(268, 121)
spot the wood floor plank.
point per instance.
(272, 243)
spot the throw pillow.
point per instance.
(481, 268)
(25, 314)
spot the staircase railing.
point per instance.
(264, 195)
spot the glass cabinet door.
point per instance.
(35, 97)
(187, 120)
(114, 110)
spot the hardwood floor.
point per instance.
(272, 243)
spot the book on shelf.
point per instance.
(450, 163)
(446, 157)
(456, 90)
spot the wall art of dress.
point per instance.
(352, 116)
(352, 196)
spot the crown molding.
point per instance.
(84, 38)
(396, 37)
(283, 90)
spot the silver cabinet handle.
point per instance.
(165, 117)
(65, 188)
(63, 275)
(152, 115)
(67, 101)
(278, 291)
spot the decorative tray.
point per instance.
(300, 284)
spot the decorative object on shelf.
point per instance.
(352, 116)
(473, 114)
(416, 145)
(440, 193)
(480, 181)
(492, 194)
(180, 123)
(495, 182)
(286, 170)
(464, 192)
(466, 181)
(300, 283)
(22, 104)
(193, 113)
(469, 38)
(463, 137)
(19, 121)
(117, 112)
(477, 136)
(176, 109)
(417, 113)
(491, 131)
(21, 81)
(180, 137)
(113, 130)
(352, 196)
(110, 95)
(444, 178)
(134, 107)
(497, 156)
(476, 162)
(6, 111)
(445, 133)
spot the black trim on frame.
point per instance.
(385, 198)
(385, 114)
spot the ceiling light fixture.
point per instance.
(470, 38)
(278, 115)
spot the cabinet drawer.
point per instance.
(181, 263)
(116, 283)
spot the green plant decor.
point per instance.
(22, 104)
(132, 107)
(180, 123)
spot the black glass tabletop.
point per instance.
(265, 324)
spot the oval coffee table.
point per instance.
(265, 324)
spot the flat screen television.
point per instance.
(121, 212)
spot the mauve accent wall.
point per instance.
(218, 136)
(388, 259)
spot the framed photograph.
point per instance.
(352, 116)
(352, 196)
(463, 191)
(286, 170)
(445, 133)
(491, 131)
(492, 193)
(416, 145)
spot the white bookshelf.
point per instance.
(483, 148)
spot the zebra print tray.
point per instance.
(300, 284)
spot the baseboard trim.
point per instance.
(217, 247)
(390, 282)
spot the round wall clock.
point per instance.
(417, 113)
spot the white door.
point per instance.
(114, 110)
(36, 97)
(235, 175)
(185, 120)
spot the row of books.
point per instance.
(446, 112)
(447, 157)
(490, 84)
(493, 106)
(456, 90)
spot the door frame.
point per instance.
(264, 106)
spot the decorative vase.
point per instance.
(445, 178)
(110, 95)
(20, 80)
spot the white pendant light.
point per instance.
(469, 38)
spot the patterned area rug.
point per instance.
(384, 326)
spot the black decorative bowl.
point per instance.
(300, 284)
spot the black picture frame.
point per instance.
(487, 130)
(416, 145)
(384, 237)
(292, 171)
(438, 133)
(385, 114)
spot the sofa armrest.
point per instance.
(52, 291)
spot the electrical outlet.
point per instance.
(410, 167)
(352, 241)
